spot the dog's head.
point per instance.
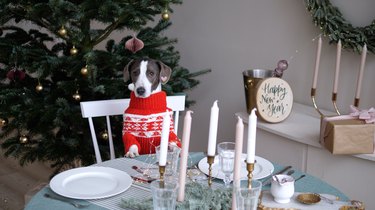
(146, 75)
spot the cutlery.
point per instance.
(139, 170)
(138, 179)
(77, 205)
(268, 180)
(299, 177)
(324, 198)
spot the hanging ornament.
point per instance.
(165, 15)
(62, 31)
(104, 135)
(23, 139)
(39, 87)
(84, 70)
(3, 122)
(77, 96)
(16, 75)
(282, 65)
(134, 44)
(74, 50)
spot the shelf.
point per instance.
(302, 125)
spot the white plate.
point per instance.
(262, 168)
(90, 182)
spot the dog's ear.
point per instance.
(126, 71)
(165, 72)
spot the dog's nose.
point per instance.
(141, 91)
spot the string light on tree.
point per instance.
(62, 31)
(24, 139)
(39, 87)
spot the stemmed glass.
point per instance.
(226, 160)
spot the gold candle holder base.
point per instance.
(210, 161)
(161, 171)
(250, 169)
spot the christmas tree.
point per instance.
(46, 70)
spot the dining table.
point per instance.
(44, 199)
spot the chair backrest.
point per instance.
(107, 108)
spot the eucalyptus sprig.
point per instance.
(332, 24)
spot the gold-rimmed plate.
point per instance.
(308, 198)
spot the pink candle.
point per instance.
(212, 135)
(317, 62)
(361, 70)
(237, 159)
(184, 155)
(337, 71)
(251, 137)
(164, 140)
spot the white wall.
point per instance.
(232, 36)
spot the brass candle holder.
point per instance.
(210, 161)
(250, 169)
(161, 171)
(356, 102)
(313, 91)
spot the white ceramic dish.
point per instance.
(90, 182)
(262, 168)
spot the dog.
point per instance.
(143, 119)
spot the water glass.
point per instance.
(173, 154)
(247, 199)
(164, 194)
(226, 151)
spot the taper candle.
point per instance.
(212, 135)
(251, 137)
(361, 70)
(164, 140)
(317, 62)
(337, 70)
(184, 155)
(237, 159)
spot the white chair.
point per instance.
(107, 108)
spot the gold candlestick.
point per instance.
(210, 161)
(161, 171)
(334, 97)
(250, 169)
(313, 91)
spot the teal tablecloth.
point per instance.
(307, 184)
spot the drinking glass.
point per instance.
(164, 194)
(247, 198)
(173, 154)
(226, 152)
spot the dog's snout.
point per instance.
(141, 91)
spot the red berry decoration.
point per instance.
(134, 44)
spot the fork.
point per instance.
(77, 205)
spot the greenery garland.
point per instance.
(334, 25)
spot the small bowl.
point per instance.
(308, 198)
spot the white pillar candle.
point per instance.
(361, 70)
(164, 140)
(337, 71)
(317, 62)
(237, 159)
(184, 155)
(251, 137)
(212, 135)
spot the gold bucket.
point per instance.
(251, 78)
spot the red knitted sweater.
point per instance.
(143, 122)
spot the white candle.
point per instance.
(337, 71)
(184, 155)
(212, 135)
(317, 62)
(361, 70)
(251, 136)
(237, 159)
(164, 140)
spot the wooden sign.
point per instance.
(274, 99)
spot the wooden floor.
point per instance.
(18, 184)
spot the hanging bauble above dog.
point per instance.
(134, 44)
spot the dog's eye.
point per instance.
(151, 73)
